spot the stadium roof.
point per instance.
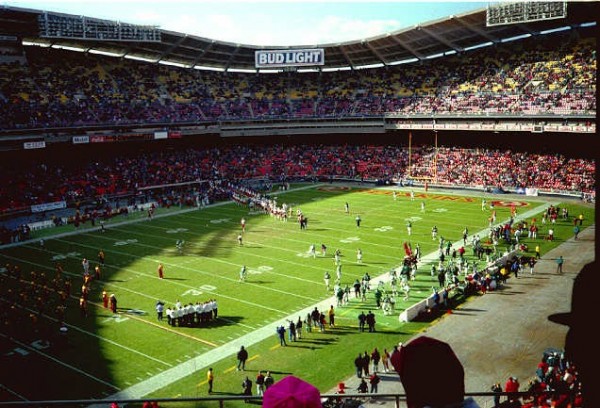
(453, 34)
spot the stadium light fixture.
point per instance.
(242, 70)
(336, 69)
(450, 52)
(36, 44)
(173, 64)
(433, 56)
(270, 71)
(105, 53)
(369, 66)
(206, 68)
(406, 61)
(474, 47)
(68, 48)
(555, 30)
(305, 70)
(588, 24)
(139, 58)
(516, 37)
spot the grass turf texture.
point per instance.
(104, 353)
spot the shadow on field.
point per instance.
(257, 281)
(295, 345)
(468, 309)
(279, 372)
(221, 321)
(225, 393)
(319, 342)
(509, 292)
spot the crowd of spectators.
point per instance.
(39, 183)
(35, 183)
(549, 74)
(488, 167)
(556, 384)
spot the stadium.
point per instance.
(167, 200)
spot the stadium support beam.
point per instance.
(231, 56)
(381, 58)
(476, 30)
(345, 54)
(442, 40)
(199, 57)
(172, 47)
(414, 52)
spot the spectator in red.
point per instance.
(512, 385)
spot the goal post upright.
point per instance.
(431, 174)
(435, 155)
(409, 151)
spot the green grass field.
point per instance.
(132, 352)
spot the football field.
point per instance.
(131, 354)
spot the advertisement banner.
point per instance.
(34, 145)
(57, 205)
(289, 58)
(80, 139)
(100, 138)
(531, 192)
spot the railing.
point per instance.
(328, 400)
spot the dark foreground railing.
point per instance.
(221, 401)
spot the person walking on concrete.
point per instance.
(497, 389)
(512, 386)
(374, 381)
(576, 231)
(559, 264)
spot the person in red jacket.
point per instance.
(512, 385)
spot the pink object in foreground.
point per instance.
(292, 392)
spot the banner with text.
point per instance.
(80, 139)
(34, 145)
(289, 58)
(57, 205)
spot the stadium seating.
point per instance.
(64, 89)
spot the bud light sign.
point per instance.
(289, 58)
